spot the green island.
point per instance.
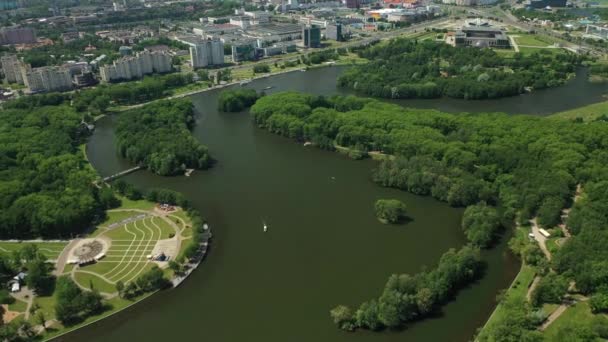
(390, 210)
(105, 247)
(405, 68)
(539, 172)
(157, 136)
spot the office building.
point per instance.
(547, 3)
(243, 51)
(11, 67)
(17, 35)
(479, 36)
(46, 79)
(204, 52)
(133, 67)
(334, 32)
(596, 31)
(311, 36)
(352, 3)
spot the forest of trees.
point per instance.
(529, 166)
(158, 137)
(236, 100)
(95, 101)
(407, 298)
(46, 186)
(405, 68)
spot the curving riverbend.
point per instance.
(323, 247)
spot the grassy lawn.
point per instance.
(87, 279)
(549, 308)
(587, 113)
(50, 249)
(117, 216)
(579, 314)
(46, 305)
(114, 305)
(517, 292)
(533, 40)
(18, 305)
(505, 52)
(141, 204)
(531, 50)
(165, 228)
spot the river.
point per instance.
(323, 247)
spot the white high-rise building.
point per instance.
(11, 67)
(204, 52)
(132, 67)
(47, 79)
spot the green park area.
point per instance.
(533, 40)
(51, 250)
(586, 113)
(131, 238)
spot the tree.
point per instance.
(390, 210)
(550, 289)
(261, 68)
(480, 223)
(343, 317)
(39, 276)
(74, 305)
(120, 287)
(40, 319)
(599, 303)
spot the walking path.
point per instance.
(532, 287)
(63, 257)
(25, 295)
(553, 316)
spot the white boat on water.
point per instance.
(265, 227)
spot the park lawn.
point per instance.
(517, 292)
(50, 249)
(114, 305)
(179, 221)
(46, 304)
(531, 50)
(133, 230)
(165, 228)
(102, 267)
(533, 40)
(549, 308)
(117, 216)
(68, 268)
(139, 204)
(586, 113)
(18, 306)
(505, 52)
(87, 280)
(578, 314)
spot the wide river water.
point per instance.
(324, 245)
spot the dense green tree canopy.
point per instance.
(46, 186)
(158, 137)
(480, 223)
(407, 298)
(404, 68)
(236, 100)
(390, 210)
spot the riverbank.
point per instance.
(586, 113)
